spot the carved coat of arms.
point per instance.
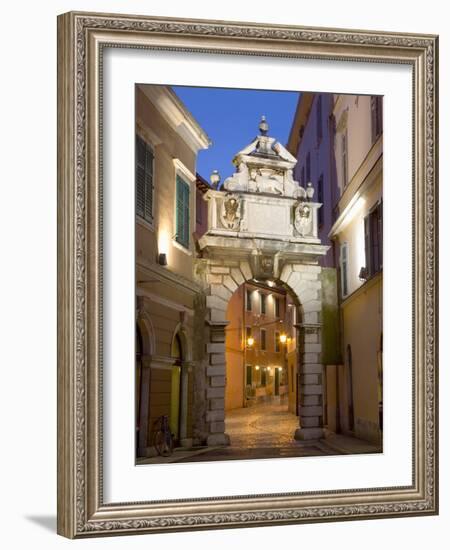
(303, 219)
(231, 212)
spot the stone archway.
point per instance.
(147, 349)
(263, 225)
(223, 278)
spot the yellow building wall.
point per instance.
(362, 319)
(234, 387)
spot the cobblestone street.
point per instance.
(266, 430)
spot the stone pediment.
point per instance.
(264, 166)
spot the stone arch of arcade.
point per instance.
(223, 277)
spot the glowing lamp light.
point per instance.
(283, 338)
(215, 179)
(250, 341)
(257, 367)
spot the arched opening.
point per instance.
(144, 346)
(262, 354)
(176, 388)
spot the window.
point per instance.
(373, 240)
(264, 376)
(263, 303)
(308, 167)
(144, 180)
(248, 333)
(182, 212)
(320, 200)
(319, 119)
(263, 339)
(248, 375)
(248, 299)
(277, 306)
(376, 113)
(344, 269)
(344, 158)
(277, 342)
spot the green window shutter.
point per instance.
(182, 212)
(144, 180)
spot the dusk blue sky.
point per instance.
(231, 117)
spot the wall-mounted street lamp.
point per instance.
(215, 179)
(283, 338)
(250, 341)
(162, 258)
(363, 274)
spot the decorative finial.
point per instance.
(309, 190)
(263, 126)
(215, 179)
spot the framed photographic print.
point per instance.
(247, 274)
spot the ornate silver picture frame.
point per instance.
(83, 510)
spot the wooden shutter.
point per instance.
(144, 180)
(140, 177)
(182, 212)
(148, 208)
(367, 245)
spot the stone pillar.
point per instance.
(215, 390)
(184, 440)
(311, 387)
(144, 411)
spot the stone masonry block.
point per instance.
(217, 381)
(307, 295)
(217, 427)
(237, 275)
(311, 338)
(221, 291)
(215, 348)
(302, 268)
(312, 348)
(218, 370)
(312, 305)
(217, 358)
(316, 410)
(285, 272)
(309, 400)
(217, 403)
(312, 389)
(214, 279)
(246, 271)
(311, 317)
(216, 302)
(312, 368)
(218, 316)
(212, 393)
(309, 276)
(294, 279)
(309, 379)
(311, 358)
(230, 283)
(304, 434)
(220, 269)
(310, 421)
(214, 416)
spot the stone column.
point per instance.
(311, 387)
(184, 382)
(215, 391)
(144, 411)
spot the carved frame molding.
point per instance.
(81, 38)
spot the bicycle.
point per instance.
(162, 436)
